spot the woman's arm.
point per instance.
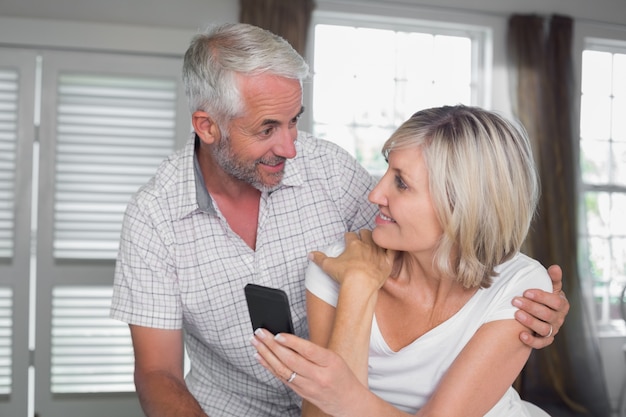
(323, 378)
(346, 329)
(469, 388)
(482, 373)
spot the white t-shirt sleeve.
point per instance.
(318, 282)
(516, 276)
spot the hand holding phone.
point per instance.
(269, 309)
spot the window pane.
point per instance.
(342, 38)
(369, 143)
(342, 135)
(331, 94)
(597, 73)
(619, 121)
(8, 142)
(595, 116)
(619, 97)
(619, 162)
(6, 331)
(619, 78)
(619, 266)
(375, 100)
(112, 134)
(453, 57)
(372, 93)
(603, 168)
(90, 351)
(597, 206)
(594, 161)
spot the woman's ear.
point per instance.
(205, 127)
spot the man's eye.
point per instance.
(267, 132)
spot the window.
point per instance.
(112, 132)
(6, 325)
(603, 172)
(8, 146)
(79, 133)
(368, 80)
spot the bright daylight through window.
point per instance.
(603, 170)
(367, 81)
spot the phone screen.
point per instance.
(269, 309)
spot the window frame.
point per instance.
(14, 272)
(606, 38)
(491, 82)
(32, 368)
(604, 319)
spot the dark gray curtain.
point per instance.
(287, 18)
(565, 379)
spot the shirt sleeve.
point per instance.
(516, 276)
(319, 283)
(145, 288)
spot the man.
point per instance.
(244, 202)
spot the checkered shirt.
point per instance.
(181, 266)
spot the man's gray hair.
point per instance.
(215, 59)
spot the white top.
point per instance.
(408, 377)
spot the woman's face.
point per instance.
(406, 220)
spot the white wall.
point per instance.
(613, 11)
(179, 14)
(193, 14)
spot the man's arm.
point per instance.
(159, 376)
(542, 312)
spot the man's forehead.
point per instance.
(271, 99)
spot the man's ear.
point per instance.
(205, 127)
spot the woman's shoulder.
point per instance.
(525, 271)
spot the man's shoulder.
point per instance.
(173, 176)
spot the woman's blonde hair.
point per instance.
(483, 185)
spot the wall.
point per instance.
(613, 11)
(194, 14)
(180, 14)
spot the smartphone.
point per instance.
(269, 309)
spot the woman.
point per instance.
(419, 310)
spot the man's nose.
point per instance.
(286, 144)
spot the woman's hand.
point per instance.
(361, 258)
(318, 375)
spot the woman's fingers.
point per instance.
(272, 355)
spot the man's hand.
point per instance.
(542, 312)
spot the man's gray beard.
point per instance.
(223, 156)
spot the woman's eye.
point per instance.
(400, 184)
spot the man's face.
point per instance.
(263, 137)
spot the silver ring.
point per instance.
(549, 334)
(292, 377)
